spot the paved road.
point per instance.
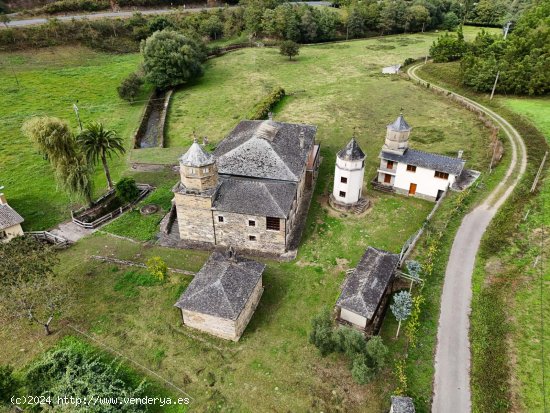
(452, 358)
(122, 14)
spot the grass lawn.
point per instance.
(512, 277)
(272, 368)
(50, 81)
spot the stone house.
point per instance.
(222, 297)
(411, 172)
(10, 221)
(365, 294)
(247, 193)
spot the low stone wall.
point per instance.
(163, 115)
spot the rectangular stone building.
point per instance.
(247, 193)
(222, 297)
(10, 221)
(366, 291)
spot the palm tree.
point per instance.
(99, 143)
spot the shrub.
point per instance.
(360, 372)
(130, 87)
(127, 190)
(8, 384)
(321, 334)
(157, 268)
(376, 353)
(262, 109)
(349, 341)
(448, 48)
(409, 61)
(289, 48)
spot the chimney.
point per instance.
(3, 199)
(302, 140)
(270, 115)
(460, 152)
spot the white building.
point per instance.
(349, 173)
(411, 172)
(10, 221)
(391, 70)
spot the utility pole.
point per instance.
(77, 115)
(506, 29)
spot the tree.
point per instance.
(321, 332)
(212, 27)
(99, 143)
(417, 17)
(360, 371)
(127, 190)
(350, 342)
(29, 289)
(376, 353)
(171, 59)
(401, 307)
(54, 139)
(130, 87)
(450, 21)
(289, 48)
(4, 19)
(309, 26)
(448, 48)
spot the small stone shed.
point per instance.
(366, 291)
(401, 404)
(222, 297)
(10, 221)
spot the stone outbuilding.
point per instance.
(10, 221)
(402, 404)
(223, 295)
(366, 291)
(347, 192)
(411, 172)
(247, 193)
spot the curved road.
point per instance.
(452, 358)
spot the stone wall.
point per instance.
(220, 327)
(248, 311)
(195, 217)
(11, 232)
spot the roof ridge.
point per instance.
(435, 154)
(272, 197)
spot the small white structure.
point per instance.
(391, 70)
(412, 172)
(10, 221)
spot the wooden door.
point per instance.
(412, 189)
(387, 178)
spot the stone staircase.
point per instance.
(381, 187)
(361, 206)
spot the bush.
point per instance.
(157, 268)
(450, 21)
(127, 190)
(130, 87)
(321, 334)
(350, 342)
(360, 372)
(376, 352)
(8, 384)
(262, 109)
(448, 48)
(409, 61)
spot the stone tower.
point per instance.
(348, 175)
(194, 195)
(397, 136)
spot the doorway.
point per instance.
(439, 194)
(387, 178)
(412, 189)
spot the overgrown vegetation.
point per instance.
(262, 109)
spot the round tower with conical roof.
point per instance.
(198, 169)
(348, 175)
(397, 136)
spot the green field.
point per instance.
(335, 86)
(524, 289)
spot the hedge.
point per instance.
(262, 109)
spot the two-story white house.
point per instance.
(411, 172)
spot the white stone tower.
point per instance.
(348, 175)
(397, 136)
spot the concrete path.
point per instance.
(452, 358)
(123, 14)
(70, 231)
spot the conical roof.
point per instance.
(352, 152)
(196, 156)
(400, 124)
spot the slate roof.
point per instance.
(427, 160)
(8, 217)
(352, 152)
(365, 287)
(196, 156)
(222, 287)
(400, 124)
(402, 404)
(255, 197)
(266, 149)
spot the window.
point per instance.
(252, 237)
(205, 170)
(442, 175)
(342, 194)
(411, 168)
(273, 223)
(251, 223)
(344, 180)
(192, 171)
(389, 165)
(3, 234)
(220, 218)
